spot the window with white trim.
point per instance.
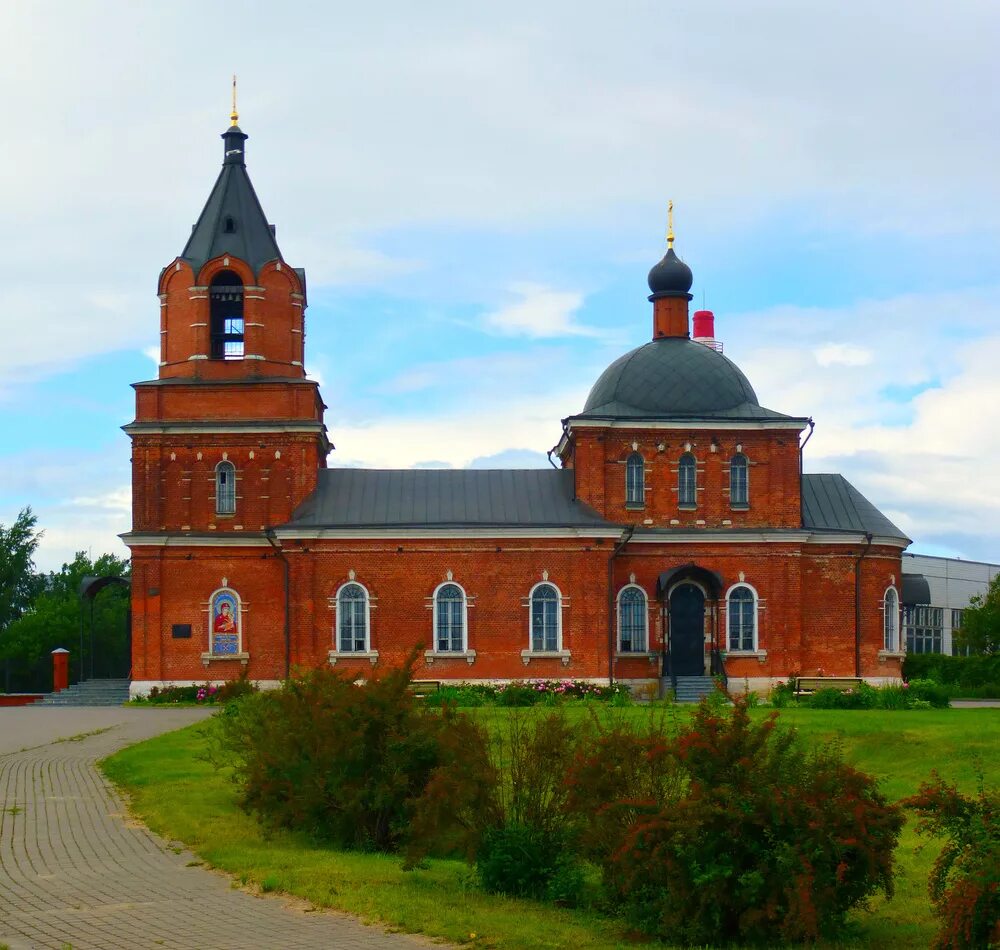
(632, 620)
(687, 481)
(741, 614)
(225, 488)
(739, 486)
(450, 619)
(546, 622)
(635, 481)
(352, 619)
(890, 620)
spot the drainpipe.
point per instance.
(269, 534)
(857, 604)
(802, 448)
(625, 538)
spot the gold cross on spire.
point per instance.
(670, 225)
(234, 116)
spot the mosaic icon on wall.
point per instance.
(225, 615)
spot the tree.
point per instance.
(18, 582)
(54, 620)
(980, 630)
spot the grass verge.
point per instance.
(182, 797)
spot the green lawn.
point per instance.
(182, 797)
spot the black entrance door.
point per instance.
(687, 630)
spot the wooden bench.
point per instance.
(804, 685)
(424, 687)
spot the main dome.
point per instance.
(672, 376)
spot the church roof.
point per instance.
(832, 503)
(674, 377)
(512, 498)
(232, 221)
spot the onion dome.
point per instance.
(671, 277)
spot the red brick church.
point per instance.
(678, 539)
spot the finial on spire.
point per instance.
(670, 219)
(234, 116)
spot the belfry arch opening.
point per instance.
(225, 297)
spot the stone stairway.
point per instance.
(90, 693)
(690, 689)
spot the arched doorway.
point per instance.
(687, 630)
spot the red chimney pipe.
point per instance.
(704, 325)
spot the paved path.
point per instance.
(76, 872)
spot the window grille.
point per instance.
(890, 621)
(742, 615)
(545, 619)
(450, 618)
(225, 488)
(352, 619)
(739, 494)
(635, 475)
(632, 621)
(687, 488)
(924, 628)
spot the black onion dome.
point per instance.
(671, 277)
(673, 376)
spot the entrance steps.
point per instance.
(690, 689)
(90, 693)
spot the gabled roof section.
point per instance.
(832, 503)
(453, 498)
(232, 221)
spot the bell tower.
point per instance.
(230, 436)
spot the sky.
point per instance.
(477, 191)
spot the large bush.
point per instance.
(965, 881)
(962, 675)
(343, 762)
(762, 841)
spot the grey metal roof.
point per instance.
(251, 238)
(674, 377)
(355, 497)
(832, 503)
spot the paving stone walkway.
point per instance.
(76, 872)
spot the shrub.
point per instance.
(528, 861)
(964, 884)
(962, 675)
(339, 761)
(929, 692)
(864, 697)
(207, 693)
(764, 842)
(530, 693)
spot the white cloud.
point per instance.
(842, 354)
(152, 353)
(539, 312)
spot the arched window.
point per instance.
(225, 488)
(741, 607)
(352, 619)
(225, 613)
(632, 620)
(546, 624)
(739, 487)
(449, 619)
(687, 482)
(890, 620)
(225, 298)
(635, 481)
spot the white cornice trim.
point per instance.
(233, 428)
(189, 541)
(381, 533)
(789, 536)
(796, 424)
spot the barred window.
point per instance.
(225, 488)
(890, 620)
(742, 615)
(632, 620)
(687, 487)
(635, 480)
(545, 620)
(352, 619)
(739, 489)
(449, 618)
(924, 626)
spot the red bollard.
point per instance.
(60, 669)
